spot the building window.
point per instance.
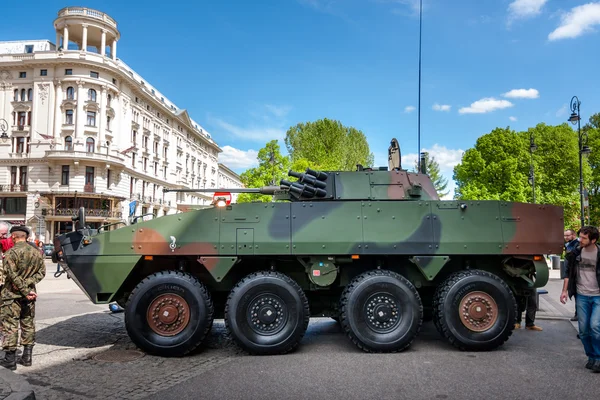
(30, 95)
(93, 74)
(89, 175)
(108, 123)
(91, 118)
(22, 176)
(145, 164)
(21, 118)
(65, 174)
(69, 143)
(108, 99)
(133, 160)
(28, 48)
(68, 71)
(20, 145)
(13, 175)
(70, 93)
(131, 187)
(114, 81)
(155, 168)
(133, 137)
(91, 95)
(16, 95)
(108, 178)
(69, 117)
(23, 95)
(43, 72)
(22, 74)
(89, 145)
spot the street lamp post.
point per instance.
(532, 148)
(575, 118)
(3, 129)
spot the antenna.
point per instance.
(419, 106)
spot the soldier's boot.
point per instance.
(9, 360)
(26, 356)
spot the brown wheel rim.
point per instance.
(478, 311)
(168, 314)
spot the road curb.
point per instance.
(20, 389)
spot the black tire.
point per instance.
(179, 290)
(494, 329)
(281, 313)
(388, 334)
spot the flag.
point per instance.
(132, 206)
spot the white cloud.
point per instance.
(579, 20)
(236, 158)
(485, 105)
(409, 109)
(278, 111)
(258, 134)
(525, 8)
(442, 107)
(562, 111)
(268, 123)
(522, 94)
(513, 119)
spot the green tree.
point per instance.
(328, 145)
(498, 168)
(272, 167)
(433, 170)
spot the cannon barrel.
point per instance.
(261, 190)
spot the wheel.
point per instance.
(475, 310)
(267, 313)
(169, 313)
(381, 311)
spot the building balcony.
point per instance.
(13, 188)
(87, 12)
(89, 212)
(21, 128)
(85, 156)
(135, 125)
(89, 188)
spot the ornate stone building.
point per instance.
(78, 127)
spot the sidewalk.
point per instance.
(550, 306)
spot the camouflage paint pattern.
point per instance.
(368, 213)
(13, 312)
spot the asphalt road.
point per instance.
(531, 365)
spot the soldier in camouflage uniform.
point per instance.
(23, 268)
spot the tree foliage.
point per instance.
(328, 145)
(498, 168)
(432, 167)
(272, 167)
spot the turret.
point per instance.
(362, 184)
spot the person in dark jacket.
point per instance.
(583, 282)
(571, 243)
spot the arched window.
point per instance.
(91, 95)
(68, 143)
(30, 95)
(109, 98)
(89, 145)
(23, 95)
(70, 93)
(16, 96)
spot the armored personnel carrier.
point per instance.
(375, 249)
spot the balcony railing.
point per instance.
(88, 12)
(89, 188)
(89, 212)
(69, 154)
(13, 188)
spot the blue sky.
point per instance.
(247, 71)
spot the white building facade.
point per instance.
(79, 128)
